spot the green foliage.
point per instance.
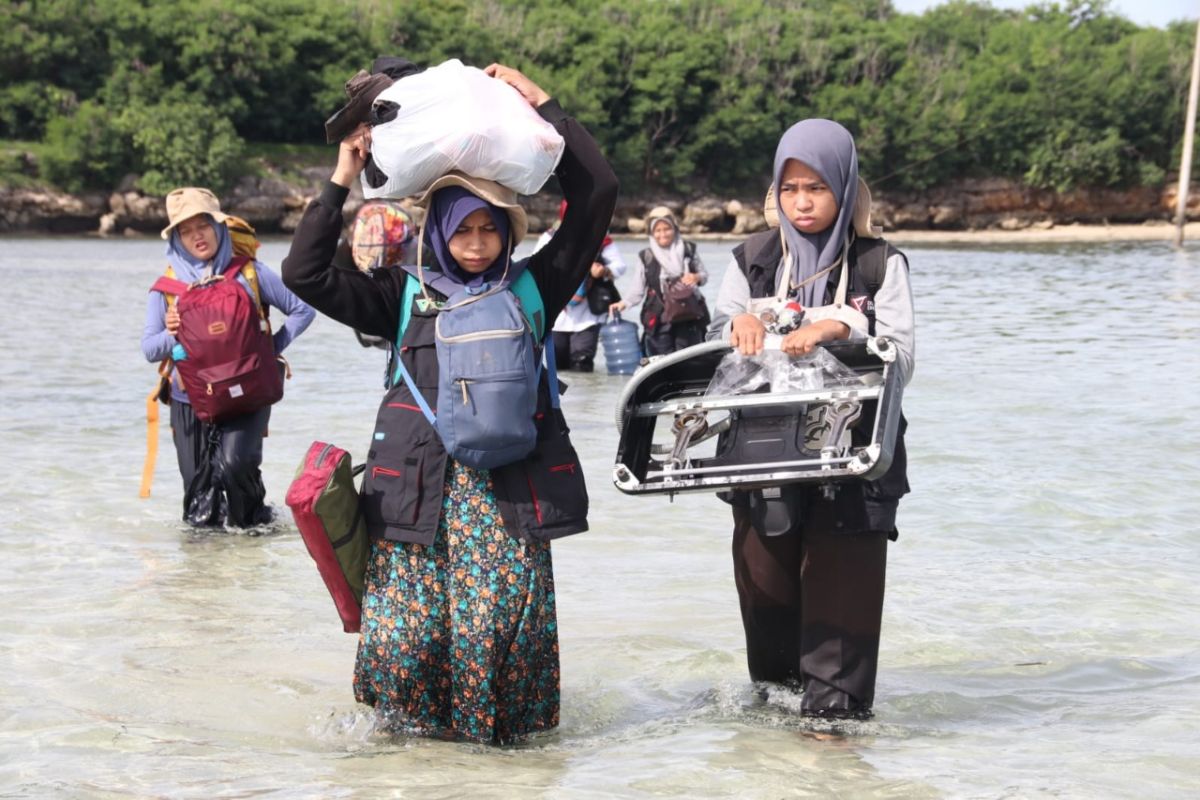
(55, 46)
(682, 95)
(176, 141)
(25, 108)
(86, 150)
(17, 160)
(183, 144)
(1070, 156)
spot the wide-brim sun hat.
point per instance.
(362, 89)
(185, 203)
(490, 191)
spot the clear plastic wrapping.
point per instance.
(739, 374)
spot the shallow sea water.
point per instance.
(1040, 635)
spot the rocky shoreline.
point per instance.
(274, 206)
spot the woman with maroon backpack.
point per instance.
(206, 320)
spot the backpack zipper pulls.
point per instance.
(463, 383)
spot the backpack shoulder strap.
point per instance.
(653, 268)
(689, 254)
(530, 296)
(758, 258)
(869, 258)
(408, 296)
(533, 308)
(759, 248)
(251, 276)
(412, 288)
(236, 264)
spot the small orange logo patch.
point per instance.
(216, 328)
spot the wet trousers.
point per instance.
(812, 605)
(576, 350)
(661, 341)
(222, 483)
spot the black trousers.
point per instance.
(219, 464)
(669, 338)
(812, 605)
(576, 349)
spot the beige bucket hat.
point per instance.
(494, 193)
(185, 203)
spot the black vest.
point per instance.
(652, 305)
(759, 255)
(862, 505)
(540, 497)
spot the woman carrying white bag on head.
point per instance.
(459, 633)
(455, 118)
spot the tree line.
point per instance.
(684, 96)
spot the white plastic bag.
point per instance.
(454, 117)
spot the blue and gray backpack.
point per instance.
(489, 365)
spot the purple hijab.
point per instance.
(828, 149)
(447, 210)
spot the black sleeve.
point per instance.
(368, 303)
(589, 186)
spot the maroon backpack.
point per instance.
(230, 368)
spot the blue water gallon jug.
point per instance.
(622, 349)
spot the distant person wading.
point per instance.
(809, 566)
(459, 636)
(668, 276)
(219, 459)
(577, 327)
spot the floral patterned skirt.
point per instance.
(459, 638)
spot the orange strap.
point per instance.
(164, 371)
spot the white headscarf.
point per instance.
(670, 258)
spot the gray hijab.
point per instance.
(828, 149)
